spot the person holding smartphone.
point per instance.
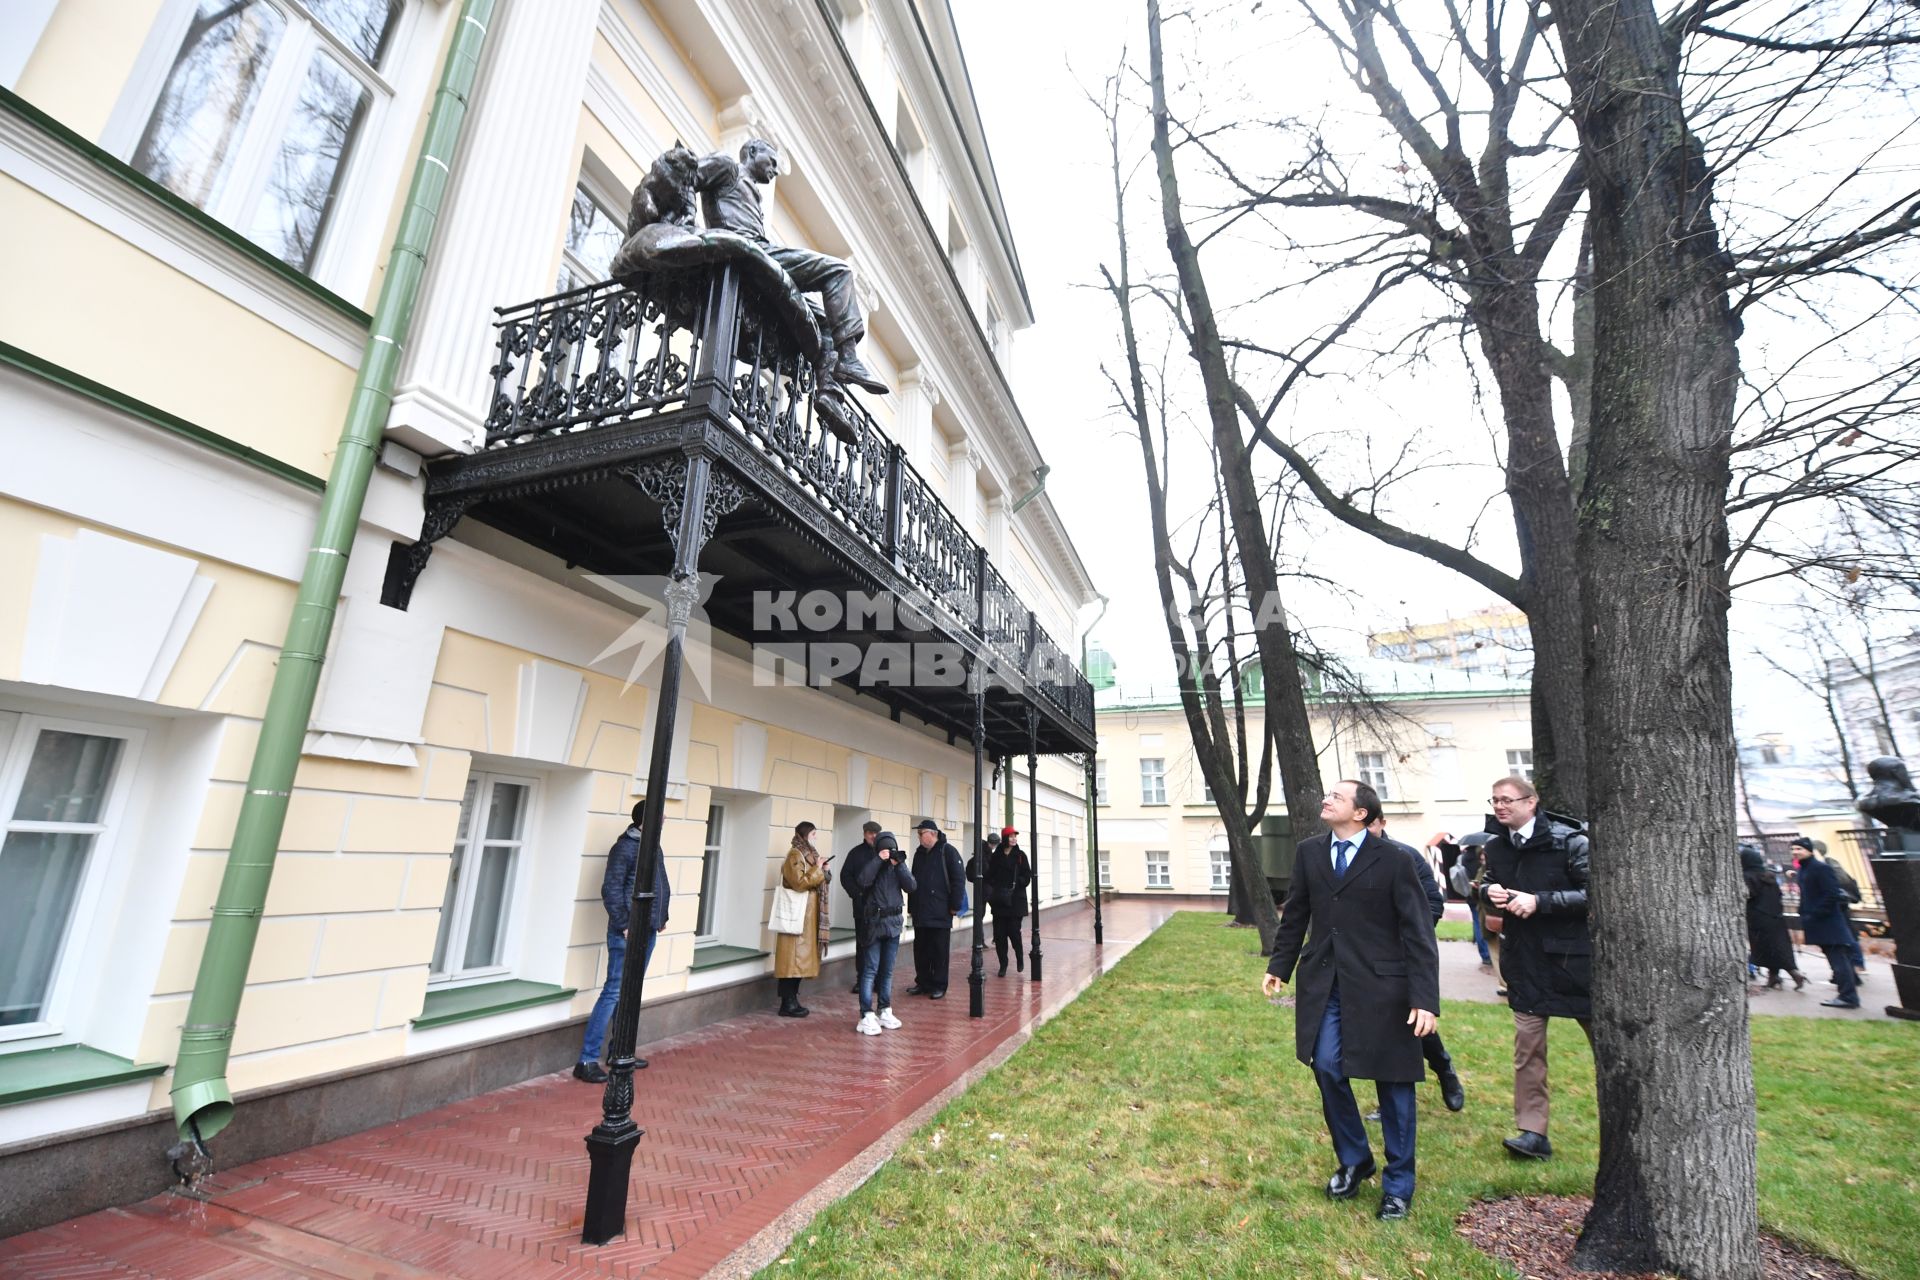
(884, 884)
(797, 955)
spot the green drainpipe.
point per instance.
(202, 1102)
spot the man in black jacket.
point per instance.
(940, 879)
(1536, 879)
(850, 869)
(1430, 1045)
(616, 894)
(1369, 986)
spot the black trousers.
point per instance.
(1006, 928)
(930, 950)
(1436, 1053)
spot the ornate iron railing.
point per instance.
(607, 353)
(591, 355)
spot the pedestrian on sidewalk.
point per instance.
(1851, 889)
(1467, 873)
(940, 882)
(616, 894)
(1536, 881)
(1768, 945)
(1823, 922)
(884, 880)
(1431, 1047)
(797, 955)
(850, 868)
(1369, 987)
(1003, 884)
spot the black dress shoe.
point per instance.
(1347, 1178)
(936, 995)
(1839, 1004)
(1528, 1145)
(591, 1072)
(916, 990)
(1451, 1093)
(1392, 1209)
(639, 1064)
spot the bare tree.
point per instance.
(1516, 125)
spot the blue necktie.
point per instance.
(1340, 858)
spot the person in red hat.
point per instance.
(1004, 883)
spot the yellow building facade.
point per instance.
(1431, 743)
(199, 198)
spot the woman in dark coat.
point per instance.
(1768, 945)
(1008, 873)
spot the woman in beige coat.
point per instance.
(797, 955)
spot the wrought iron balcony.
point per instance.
(601, 396)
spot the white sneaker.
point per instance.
(868, 1025)
(888, 1021)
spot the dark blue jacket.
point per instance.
(1823, 907)
(940, 879)
(616, 887)
(881, 885)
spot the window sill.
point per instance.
(67, 1068)
(462, 1004)
(1159, 888)
(714, 955)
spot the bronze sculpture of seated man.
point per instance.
(730, 197)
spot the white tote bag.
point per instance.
(789, 910)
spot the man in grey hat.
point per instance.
(940, 880)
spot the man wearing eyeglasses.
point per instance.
(1369, 987)
(1536, 879)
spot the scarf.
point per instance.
(824, 930)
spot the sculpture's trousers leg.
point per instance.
(832, 279)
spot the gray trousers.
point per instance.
(832, 279)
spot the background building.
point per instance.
(1431, 742)
(199, 197)
(1493, 640)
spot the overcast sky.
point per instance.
(1032, 66)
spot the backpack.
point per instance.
(1848, 885)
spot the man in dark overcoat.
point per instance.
(1369, 988)
(1535, 880)
(940, 881)
(1823, 922)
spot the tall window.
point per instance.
(1153, 781)
(1372, 768)
(593, 237)
(1100, 782)
(1159, 869)
(59, 781)
(1220, 869)
(260, 112)
(472, 941)
(710, 872)
(1054, 866)
(1520, 764)
(1104, 864)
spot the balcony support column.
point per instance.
(690, 509)
(977, 973)
(1033, 824)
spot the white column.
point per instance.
(915, 397)
(512, 185)
(962, 489)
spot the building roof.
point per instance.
(1382, 678)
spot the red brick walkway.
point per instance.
(743, 1119)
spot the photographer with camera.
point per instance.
(884, 883)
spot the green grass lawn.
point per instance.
(1160, 1126)
(1454, 931)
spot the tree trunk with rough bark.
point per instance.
(1675, 1187)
